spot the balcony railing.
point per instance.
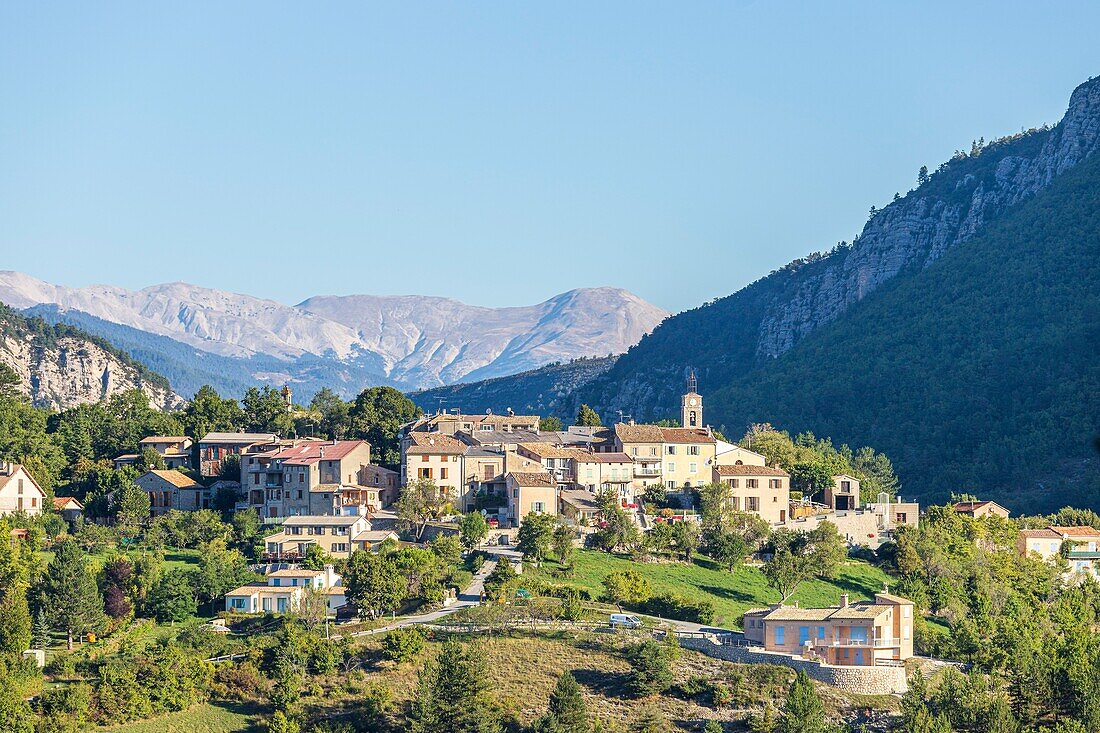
(878, 643)
(641, 471)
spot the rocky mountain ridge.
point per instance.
(730, 336)
(60, 367)
(407, 341)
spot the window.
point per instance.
(672, 450)
(780, 632)
(733, 483)
(900, 518)
(752, 503)
(774, 483)
(803, 635)
(906, 611)
(299, 493)
(425, 473)
(752, 483)
(693, 467)
(693, 450)
(652, 451)
(845, 486)
(671, 468)
(424, 458)
(634, 451)
(820, 632)
(443, 473)
(515, 493)
(537, 506)
(301, 478)
(255, 478)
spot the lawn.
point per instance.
(731, 593)
(220, 717)
(173, 558)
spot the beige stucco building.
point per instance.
(843, 495)
(759, 490)
(282, 590)
(438, 457)
(530, 492)
(1082, 546)
(338, 536)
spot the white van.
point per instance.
(622, 620)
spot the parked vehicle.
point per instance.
(624, 621)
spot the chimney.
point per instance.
(843, 600)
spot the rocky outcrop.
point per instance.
(916, 230)
(60, 371)
(727, 339)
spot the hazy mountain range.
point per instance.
(194, 335)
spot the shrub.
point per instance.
(671, 606)
(403, 645)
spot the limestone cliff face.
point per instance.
(728, 337)
(916, 230)
(63, 369)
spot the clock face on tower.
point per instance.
(692, 402)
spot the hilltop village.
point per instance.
(654, 533)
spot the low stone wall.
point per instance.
(860, 680)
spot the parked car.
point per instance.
(624, 621)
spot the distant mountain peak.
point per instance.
(413, 341)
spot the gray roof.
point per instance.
(238, 438)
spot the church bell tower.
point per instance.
(691, 405)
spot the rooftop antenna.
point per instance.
(439, 408)
(623, 416)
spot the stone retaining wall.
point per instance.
(861, 680)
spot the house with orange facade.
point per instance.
(864, 633)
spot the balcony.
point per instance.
(863, 643)
(646, 471)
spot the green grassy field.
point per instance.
(173, 558)
(731, 594)
(207, 718)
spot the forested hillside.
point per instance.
(542, 391)
(979, 373)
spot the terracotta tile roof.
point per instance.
(966, 507)
(295, 573)
(790, 613)
(545, 450)
(247, 590)
(1084, 531)
(860, 610)
(321, 520)
(62, 502)
(583, 500)
(533, 480)
(374, 535)
(893, 599)
(1040, 534)
(177, 479)
(164, 439)
(627, 433)
(686, 435)
(310, 453)
(742, 470)
(435, 444)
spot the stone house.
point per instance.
(172, 490)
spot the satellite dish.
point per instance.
(489, 411)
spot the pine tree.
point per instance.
(40, 632)
(587, 417)
(452, 693)
(566, 712)
(803, 712)
(69, 594)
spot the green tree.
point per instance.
(550, 425)
(68, 593)
(403, 645)
(566, 711)
(727, 547)
(376, 416)
(536, 536)
(685, 536)
(626, 587)
(280, 723)
(151, 461)
(473, 529)
(129, 506)
(447, 547)
(15, 711)
(315, 558)
(173, 598)
(332, 413)
(265, 411)
(803, 712)
(452, 694)
(651, 668)
(374, 583)
(587, 417)
(208, 412)
(799, 556)
(563, 544)
(420, 502)
(220, 571)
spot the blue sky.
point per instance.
(494, 152)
